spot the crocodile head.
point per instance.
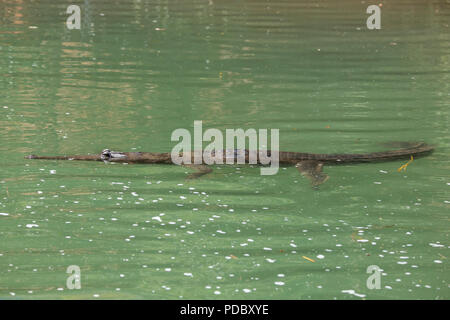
(108, 155)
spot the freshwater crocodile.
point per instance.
(308, 164)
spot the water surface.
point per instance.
(137, 70)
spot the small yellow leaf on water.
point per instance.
(309, 259)
(233, 257)
(403, 167)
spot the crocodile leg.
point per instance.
(200, 170)
(313, 171)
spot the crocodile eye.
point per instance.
(106, 154)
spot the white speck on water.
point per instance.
(320, 256)
(437, 261)
(31, 225)
(279, 283)
(188, 274)
(352, 292)
(4, 214)
(247, 290)
(270, 260)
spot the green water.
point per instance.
(137, 70)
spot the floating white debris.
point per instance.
(354, 293)
(31, 225)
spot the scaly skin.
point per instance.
(285, 158)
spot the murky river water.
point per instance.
(137, 70)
